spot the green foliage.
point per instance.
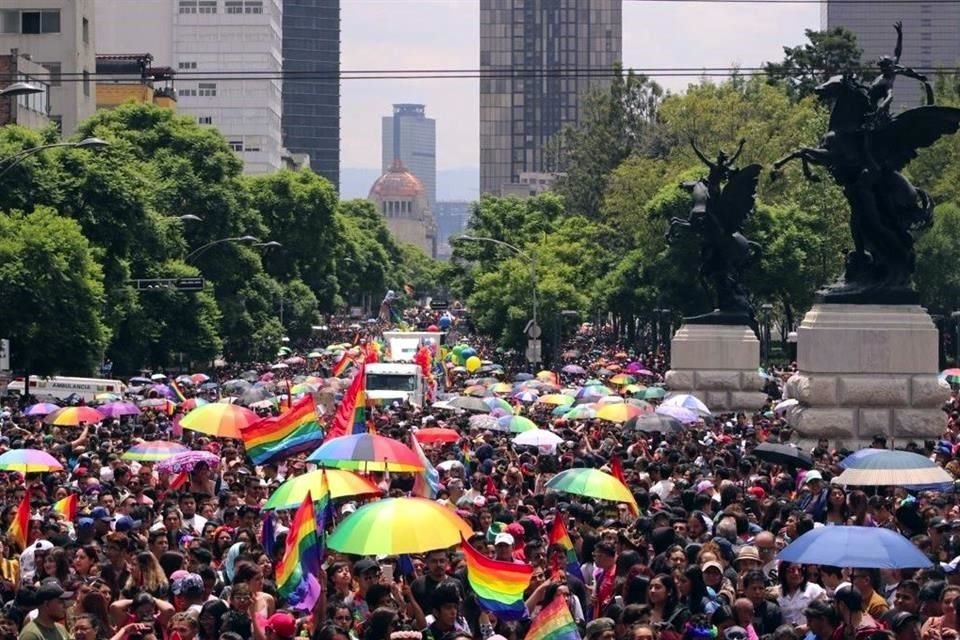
(52, 293)
(938, 253)
(828, 53)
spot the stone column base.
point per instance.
(719, 365)
(867, 370)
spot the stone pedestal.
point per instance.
(718, 364)
(865, 370)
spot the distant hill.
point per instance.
(452, 184)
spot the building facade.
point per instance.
(411, 137)
(311, 104)
(125, 77)
(929, 37)
(538, 58)
(60, 35)
(452, 219)
(401, 199)
(227, 55)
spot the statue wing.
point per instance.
(738, 197)
(896, 144)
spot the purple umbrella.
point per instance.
(41, 409)
(574, 370)
(160, 390)
(634, 367)
(187, 460)
(643, 373)
(117, 409)
(678, 413)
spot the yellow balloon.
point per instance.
(473, 363)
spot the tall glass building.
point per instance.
(411, 137)
(311, 85)
(537, 60)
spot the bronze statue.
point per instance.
(721, 203)
(865, 151)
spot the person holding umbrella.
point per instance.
(856, 623)
(815, 501)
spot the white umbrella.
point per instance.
(449, 465)
(687, 401)
(545, 441)
(783, 407)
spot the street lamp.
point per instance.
(766, 311)
(8, 163)
(530, 259)
(270, 244)
(189, 217)
(201, 249)
(21, 88)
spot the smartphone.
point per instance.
(387, 572)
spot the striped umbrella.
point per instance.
(515, 424)
(153, 451)
(498, 403)
(41, 409)
(74, 416)
(29, 461)
(118, 409)
(654, 423)
(341, 484)
(619, 412)
(687, 401)
(893, 468)
(219, 419)
(366, 452)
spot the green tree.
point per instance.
(618, 122)
(52, 294)
(828, 53)
(938, 249)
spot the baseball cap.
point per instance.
(50, 589)
(713, 564)
(704, 485)
(897, 620)
(735, 633)
(84, 523)
(364, 565)
(503, 538)
(100, 513)
(811, 476)
(190, 583)
(126, 523)
(283, 624)
(939, 523)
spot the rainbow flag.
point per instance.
(21, 523)
(352, 407)
(298, 570)
(499, 586)
(426, 484)
(67, 507)
(293, 432)
(560, 536)
(177, 391)
(554, 622)
(341, 366)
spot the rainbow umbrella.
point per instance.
(192, 403)
(622, 379)
(557, 399)
(436, 434)
(593, 391)
(41, 409)
(106, 397)
(620, 412)
(654, 393)
(29, 461)
(118, 409)
(366, 452)
(502, 387)
(951, 375)
(514, 424)
(498, 403)
(527, 396)
(593, 381)
(220, 420)
(399, 525)
(581, 412)
(199, 378)
(634, 389)
(153, 451)
(546, 375)
(301, 388)
(342, 484)
(605, 400)
(592, 483)
(74, 416)
(476, 390)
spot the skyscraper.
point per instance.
(411, 137)
(537, 60)
(929, 37)
(311, 85)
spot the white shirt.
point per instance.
(793, 605)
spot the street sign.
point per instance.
(533, 330)
(439, 305)
(161, 284)
(534, 351)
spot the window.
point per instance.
(55, 70)
(207, 89)
(252, 143)
(233, 6)
(253, 6)
(204, 119)
(46, 21)
(188, 6)
(86, 31)
(236, 145)
(208, 6)
(9, 21)
(186, 65)
(187, 93)
(86, 82)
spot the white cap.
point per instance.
(348, 508)
(503, 538)
(811, 476)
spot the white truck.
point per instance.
(398, 377)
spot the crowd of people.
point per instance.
(146, 561)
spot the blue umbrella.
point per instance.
(856, 456)
(893, 468)
(861, 547)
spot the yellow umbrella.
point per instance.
(220, 420)
(399, 525)
(557, 399)
(342, 484)
(619, 412)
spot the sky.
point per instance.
(444, 34)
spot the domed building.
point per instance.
(400, 198)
